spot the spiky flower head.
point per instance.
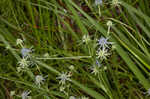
(39, 79)
(109, 23)
(86, 38)
(104, 43)
(72, 97)
(63, 77)
(98, 2)
(24, 63)
(25, 94)
(71, 67)
(115, 3)
(95, 70)
(25, 52)
(19, 42)
(102, 53)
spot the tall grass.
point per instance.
(57, 28)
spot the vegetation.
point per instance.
(74, 49)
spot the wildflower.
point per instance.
(98, 2)
(25, 52)
(115, 3)
(109, 23)
(95, 70)
(72, 97)
(25, 94)
(103, 53)
(24, 63)
(19, 42)
(86, 38)
(71, 67)
(63, 78)
(103, 42)
(39, 80)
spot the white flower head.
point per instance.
(25, 52)
(86, 38)
(63, 77)
(103, 42)
(102, 53)
(71, 67)
(24, 63)
(25, 95)
(39, 79)
(98, 2)
(19, 42)
(109, 23)
(115, 3)
(95, 70)
(72, 97)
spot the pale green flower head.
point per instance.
(63, 77)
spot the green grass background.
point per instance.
(44, 25)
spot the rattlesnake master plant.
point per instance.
(50, 33)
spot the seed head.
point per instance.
(98, 2)
(115, 3)
(24, 63)
(63, 77)
(103, 42)
(72, 97)
(19, 42)
(102, 53)
(25, 52)
(86, 38)
(39, 80)
(109, 23)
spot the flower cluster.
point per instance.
(25, 61)
(103, 46)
